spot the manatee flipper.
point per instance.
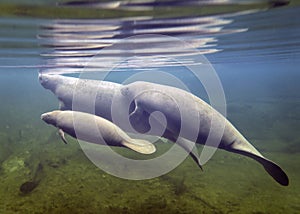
(140, 146)
(62, 106)
(190, 148)
(62, 135)
(139, 119)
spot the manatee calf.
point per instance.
(95, 129)
(178, 105)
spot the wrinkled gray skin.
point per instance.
(186, 116)
(89, 93)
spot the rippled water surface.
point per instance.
(254, 48)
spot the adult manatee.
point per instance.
(182, 111)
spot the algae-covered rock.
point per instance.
(28, 186)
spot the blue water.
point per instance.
(256, 55)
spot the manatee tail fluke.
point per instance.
(140, 146)
(274, 170)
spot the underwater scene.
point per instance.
(70, 79)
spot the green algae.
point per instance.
(76, 185)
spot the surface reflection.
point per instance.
(70, 43)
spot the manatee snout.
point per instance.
(50, 117)
(48, 81)
(43, 79)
